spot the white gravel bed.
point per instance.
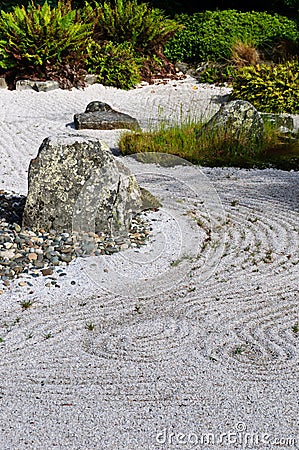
(189, 342)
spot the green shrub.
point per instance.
(115, 65)
(272, 88)
(145, 28)
(210, 35)
(217, 73)
(9, 5)
(40, 37)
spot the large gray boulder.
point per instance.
(76, 184)
(100, 116)
(241, 119)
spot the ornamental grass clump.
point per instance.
(37, 41)
(218, 147)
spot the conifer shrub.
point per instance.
(270, 88)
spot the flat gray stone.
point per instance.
(100, 116)
(39, 86)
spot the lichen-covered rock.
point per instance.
(149, 201)
(241, 119)
(76, 184)
(279, 120)
(100, 116)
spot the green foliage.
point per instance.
(39, 35)
(147, 29)
(217, 73)
(192, 142)
(219, 147)
(9, 5)
(272, 88)
(210, 35)
(115, 65)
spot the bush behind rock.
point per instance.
(114, 65)
(270, 88)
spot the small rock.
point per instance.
(18, 269)
(66, 257)
(16, 227)
(22, 283)
(3, 84)
(47, 272)
(91, 79)
(32, 256)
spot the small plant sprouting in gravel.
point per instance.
(48, 335)
(178, 261)
(268, 257)
(137, 309)
(2, 340)
(29, 335)
(295, 328)
(26, 304)
(238, 350)
(90, 326)
(234, 203)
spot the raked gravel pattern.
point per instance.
(206, 364)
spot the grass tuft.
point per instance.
(219, 147)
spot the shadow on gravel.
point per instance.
(11, 207)
(220, 99)
(285, 192)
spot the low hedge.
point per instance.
(211, 35)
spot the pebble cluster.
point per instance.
(39, 252)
